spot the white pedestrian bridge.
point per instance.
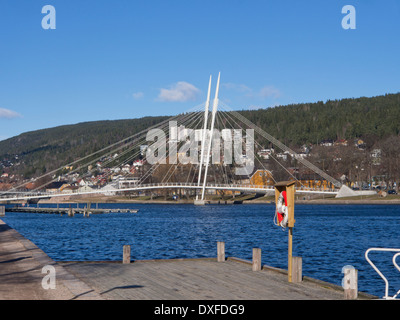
(12, 196)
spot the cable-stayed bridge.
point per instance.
(199, 151)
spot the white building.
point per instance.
(109, 190)
(123, 183)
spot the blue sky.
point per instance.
(126, 59)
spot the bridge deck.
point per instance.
(9, 196)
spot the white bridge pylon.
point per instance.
(214, 112)
(161, 175)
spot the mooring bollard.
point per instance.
(220, 251)
(256, 259)
(126, 258)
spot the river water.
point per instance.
(327, 237)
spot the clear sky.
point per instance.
(126, 59)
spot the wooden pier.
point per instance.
(217, 278)
(196, 279)
(21, 272)
(21, 277)
(70, 211)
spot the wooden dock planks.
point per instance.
(195, 279)
(21, 272)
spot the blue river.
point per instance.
(327, 237)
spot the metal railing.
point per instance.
(386, 296)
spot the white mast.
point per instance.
(204, 133)
(214, 111)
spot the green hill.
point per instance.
(370, 118)
(47, 149)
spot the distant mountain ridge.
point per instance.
(373, 119)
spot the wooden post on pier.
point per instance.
(126, 257)
(220, 251)
(297, 269)
(2, 211)
(256, 259)
(288, 187)
(70, 212)
(350, 282)
(88, 209)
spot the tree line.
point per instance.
(372, 119)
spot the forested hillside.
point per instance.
(372, 119)
(369, 118)
(44, 150)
